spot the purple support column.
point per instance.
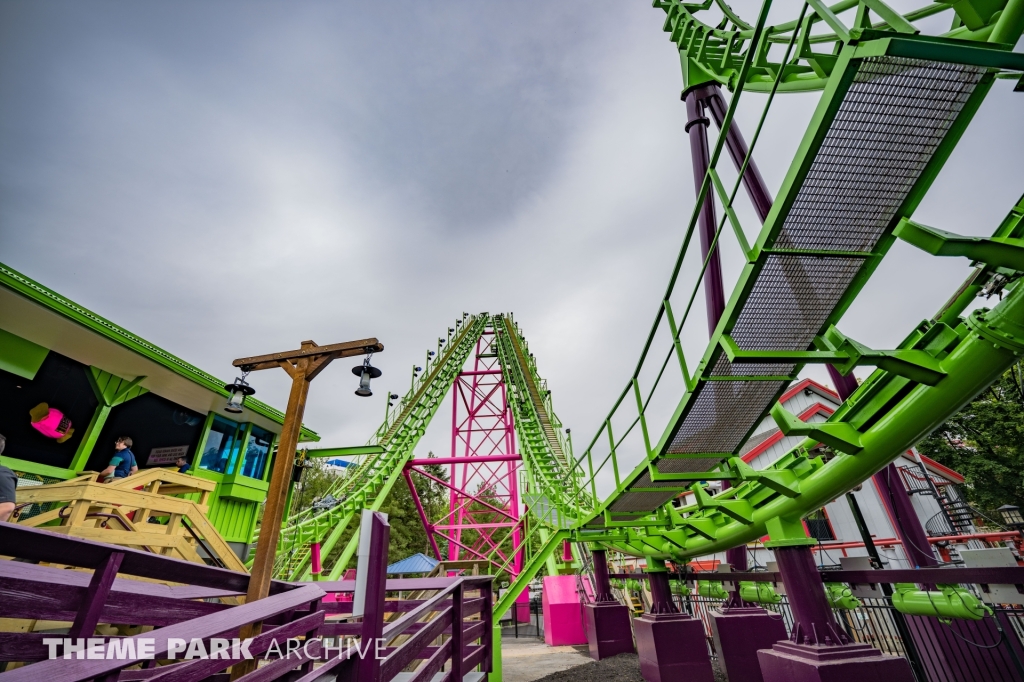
(737, 146)
(894, 496)
(818, 649)
(609, 629)
(697, 127)
(908, 523)
(602, 585)
(671, 645)
(740, 630)
(813, 622)
(661, 593)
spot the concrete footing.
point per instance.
(739, 633)
(672, 646)
(790, 662)
(609, 632)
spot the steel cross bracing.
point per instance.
(718, 48)
(556, 491)
(894, 104)
(483, 520)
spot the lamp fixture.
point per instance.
(365, 372)
(1012, 516)
(238, 392)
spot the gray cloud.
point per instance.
(230, 178)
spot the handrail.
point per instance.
(41, 545)
(204, 627)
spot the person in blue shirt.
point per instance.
(182, 465)
(123, 463)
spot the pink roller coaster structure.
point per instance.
(483, 521)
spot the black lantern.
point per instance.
(365, 372)
(1011, 516)
(238, 390)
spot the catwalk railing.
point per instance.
(889, 94)
(306, 634)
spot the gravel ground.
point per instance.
(621, 668)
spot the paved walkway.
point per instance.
(528, 659)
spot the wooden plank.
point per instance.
(61, 670)
(95, 595)
(47, 600)
(330, 629)
(406, 652)
(474, 630)
(28, 647)
(105, 495)
(119, 537)
(36, 544)
(474, 658)
(213, 540)
(339, 350)
(202, 668)
(400, 584)
(434, 663)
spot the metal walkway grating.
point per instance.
(894, 115)
(891, 121)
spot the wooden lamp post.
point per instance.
(302, 365)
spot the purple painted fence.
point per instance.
(452, 627)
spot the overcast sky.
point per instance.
(230, 178)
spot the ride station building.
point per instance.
(72, 382)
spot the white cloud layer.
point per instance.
(229, 179)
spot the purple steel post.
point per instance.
(661, 593)
(671, 645)
(714, 292)
(758, 192)
(602, 585)
(697, 127)
(813, 622)
(905, 518)
(608, 622)
(819, 650)
(894, 495)
(373, 610)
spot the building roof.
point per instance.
(814, 387)
(59, 324)
(761, 441)
(417, 563)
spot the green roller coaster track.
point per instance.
(894, 103)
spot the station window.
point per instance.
(224, 440)
(256, 452)
(819, 527)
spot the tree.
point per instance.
(408, 536)
(317, 479)
(985, 443)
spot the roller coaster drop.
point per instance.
(894, 104)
